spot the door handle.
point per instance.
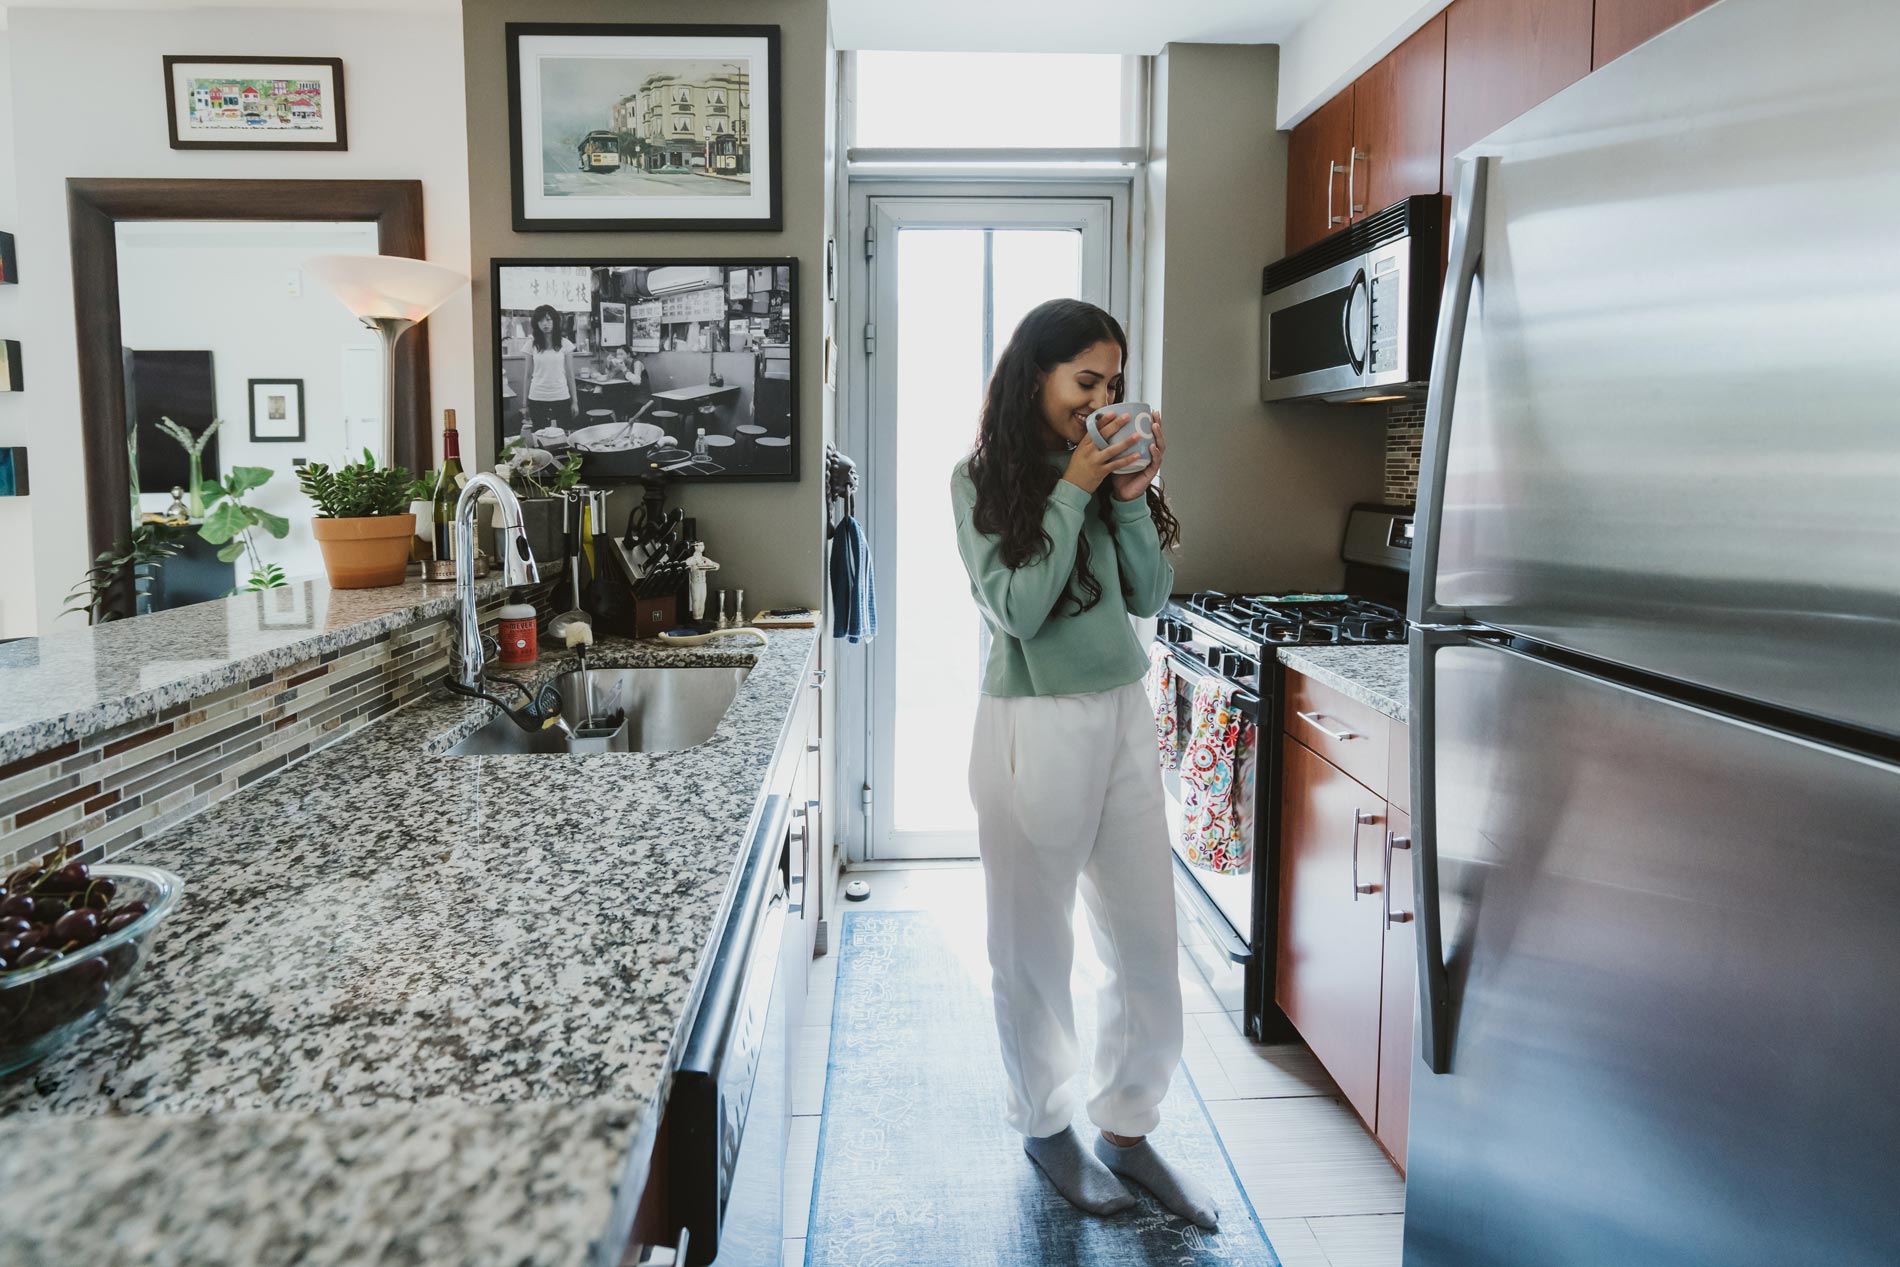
(1353, 206)
(1332, 172)
(1360, 818)
(1391, 916)
(1329, 732)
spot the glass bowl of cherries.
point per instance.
(72, 937)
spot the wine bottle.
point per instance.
(446, 491)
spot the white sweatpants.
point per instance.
(1068, 792)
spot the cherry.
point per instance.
(19, 905)
(34, 957)
(13, 925)
(79, 925)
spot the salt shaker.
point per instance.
(722, 609)
(738, 610)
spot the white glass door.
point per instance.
(949, 280)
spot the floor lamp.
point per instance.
(389, 294)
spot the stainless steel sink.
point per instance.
(664, 709)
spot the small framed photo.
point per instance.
(255, 103)
(10, 378)
(276, 410)
(13, 472)
(9, 262)
(618, 127)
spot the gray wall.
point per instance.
(1262, 492)
(766, 536)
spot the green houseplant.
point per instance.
(194, 447)
(363, 523)
(229, 523)
(132, 559)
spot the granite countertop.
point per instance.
(90, 677)
(412, 1008)
(1379, 675)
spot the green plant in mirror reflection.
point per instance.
(134, 558)
(194, 447)
(230, 523)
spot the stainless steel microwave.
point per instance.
(1351, 317)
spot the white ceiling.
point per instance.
(1062, 26)
(408, 6)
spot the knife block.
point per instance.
(655, 615)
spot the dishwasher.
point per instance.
(729, 1108)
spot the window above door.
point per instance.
(910, 108)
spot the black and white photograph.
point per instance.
(628, 127)
(682, 367)
(277, 409)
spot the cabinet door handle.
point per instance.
(1391, 916)
(1360, 818)
(811, 747)
(1332, 172)
(1329, 732)
(1353, 206)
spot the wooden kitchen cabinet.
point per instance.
(1316, 169)
(1398, 121)
(1504, 56)
(1623, 24)
(1331, 946)
(1398, 989)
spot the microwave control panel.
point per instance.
(1388, 312)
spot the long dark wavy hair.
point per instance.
(1008, 463)
(552, 339)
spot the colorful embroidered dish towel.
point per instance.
(1209, 837)
(1160, 684)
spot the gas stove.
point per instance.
(1298, 619)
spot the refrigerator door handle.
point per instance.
(1467, 246)
(1434, 1002)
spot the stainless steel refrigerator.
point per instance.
(1655, 649)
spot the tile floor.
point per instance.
(1325, 1193)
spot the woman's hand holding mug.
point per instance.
(1090, 463)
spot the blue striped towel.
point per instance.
(853, 592)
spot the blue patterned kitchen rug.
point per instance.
(916, 1167)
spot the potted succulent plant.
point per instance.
(539, 479)
(363, 523)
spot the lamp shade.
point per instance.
(386, 286)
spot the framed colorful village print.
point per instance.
(255, 103)
(619, 127)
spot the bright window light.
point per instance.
(995, 100)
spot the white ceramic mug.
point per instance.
(1144, 425)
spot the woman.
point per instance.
(1060, 552)
(552, 399)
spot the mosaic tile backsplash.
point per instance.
(116, 786)
(1404, 443)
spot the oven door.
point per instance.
(1222, 898)
(1340, 334)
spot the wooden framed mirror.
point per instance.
(97, 207)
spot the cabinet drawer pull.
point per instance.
(1391, 916)
(1328, 731)
(1360, 818)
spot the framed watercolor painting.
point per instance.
(255, 103)
(641, 367)
(643, 127)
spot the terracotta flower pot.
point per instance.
(362, 554)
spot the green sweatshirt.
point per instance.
(1033, 652)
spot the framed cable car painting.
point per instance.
(620, 127)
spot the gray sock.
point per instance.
(1076, 1175)
(1140, 1162)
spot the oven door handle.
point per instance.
(1194, 668)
